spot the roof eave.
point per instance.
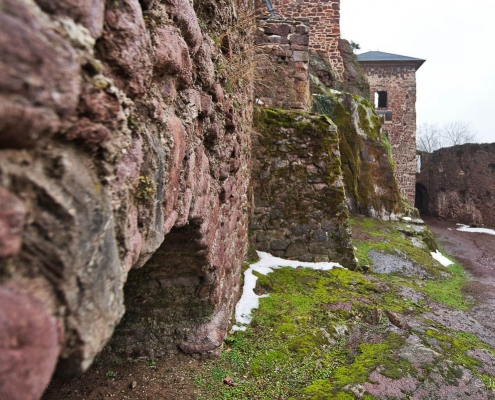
(418, 63)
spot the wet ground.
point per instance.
(476, 253)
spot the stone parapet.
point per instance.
(325, 25)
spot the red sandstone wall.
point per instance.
(459, 183)
(118, 142)
(324, 19)
(400, 84)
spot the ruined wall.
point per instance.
(282, 77)
(299, 207)
(124, 133)
(458, 183)
(399, 81)
(325, 25)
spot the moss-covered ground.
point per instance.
(341, 334)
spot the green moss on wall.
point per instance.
(363, 164)
(307, 138)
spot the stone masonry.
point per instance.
(282, 76)
(324, 17)
(458, 183)
(398, 80)
(299, 200)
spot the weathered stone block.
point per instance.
(301, 55)
(280, 29)
(302, 40)
(296, 250)
(299, 230)
(280, 244)
(320, 235)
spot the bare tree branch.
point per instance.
(458, 132)
(429, 137)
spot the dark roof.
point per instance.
(381, 56)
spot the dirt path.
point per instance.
(476, 253)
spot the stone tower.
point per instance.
(392, 81)
(324, 20)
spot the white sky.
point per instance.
(457, 39)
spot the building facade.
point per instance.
(392, 81)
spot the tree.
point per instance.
(429, 137)
(355, 45)
(458, 132)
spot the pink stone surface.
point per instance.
(29, 346)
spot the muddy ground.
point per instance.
(476, 253)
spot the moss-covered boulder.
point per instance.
(367, 164)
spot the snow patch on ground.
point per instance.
(267, 263)
(466, 228)
(441, 258)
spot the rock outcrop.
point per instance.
(367, 164)
(120, 137)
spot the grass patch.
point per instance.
(448, 290)
(310, 337)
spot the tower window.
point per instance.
(381, 99)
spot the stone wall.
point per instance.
(399, 81)
(282, 77)
(299, 209)
(458, 183)
(325, 25)
(119, 151)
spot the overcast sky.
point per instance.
(457, 39)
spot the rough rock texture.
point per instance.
(352, 79)
(30, 342)
(458, 183)
(282, 73)
(324, 19)
(118, 140)
(367, 166)
(398, 80)
(299, 201)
